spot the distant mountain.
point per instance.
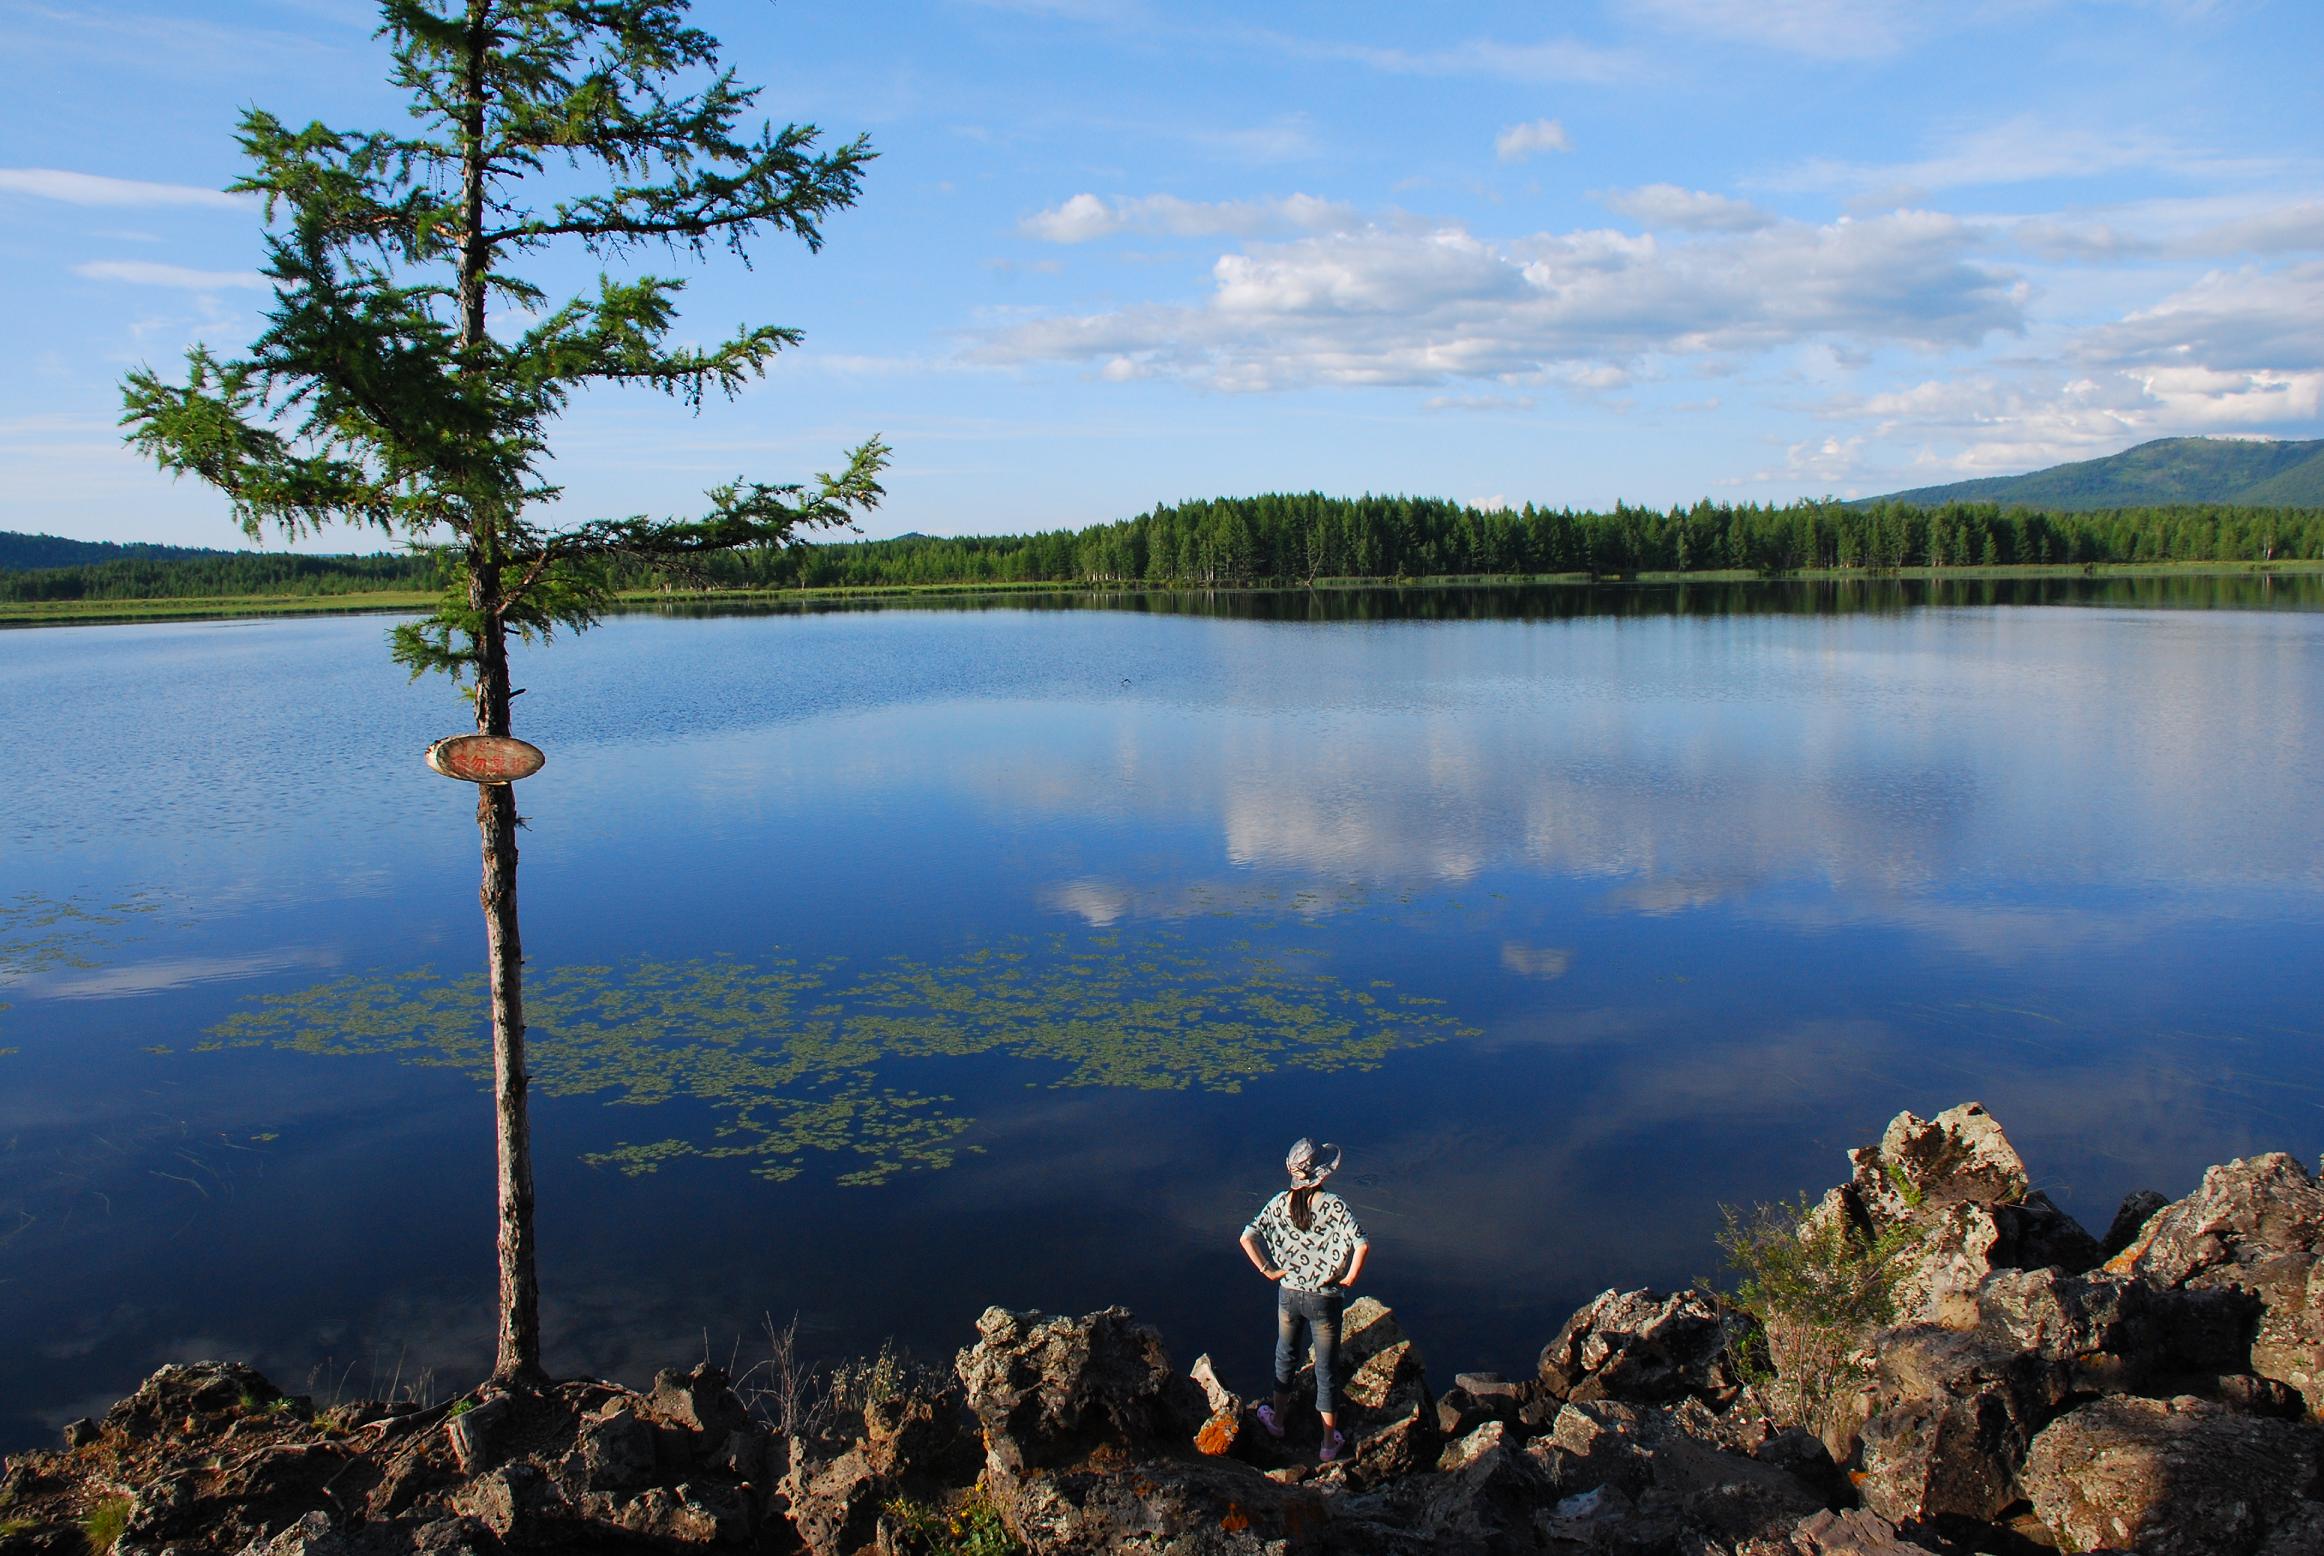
(2232, 471)
(23, 553)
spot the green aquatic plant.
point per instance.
(45, 934)
(798, 1058)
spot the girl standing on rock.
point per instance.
(1308, 1242)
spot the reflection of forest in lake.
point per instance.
(794, 1057)
(1573, 600)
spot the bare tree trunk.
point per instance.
(518, 1359)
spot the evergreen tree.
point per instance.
(380, 393)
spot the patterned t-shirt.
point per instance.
(1311, 1260)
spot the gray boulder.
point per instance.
(2180, 1477)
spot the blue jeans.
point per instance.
(1319, 1313)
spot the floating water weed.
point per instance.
(798, 1058)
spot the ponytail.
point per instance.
(1301, 1205)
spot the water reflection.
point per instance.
(1710, 882)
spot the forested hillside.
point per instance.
(21, 552)
(2239, 472)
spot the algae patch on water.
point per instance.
(793, 1058)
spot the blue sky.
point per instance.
(1115, 253)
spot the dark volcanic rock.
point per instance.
(2129, 1218)
(1641, 1347)
(2180, 1477)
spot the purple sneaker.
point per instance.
(1333, 1445)
(1267, 1419)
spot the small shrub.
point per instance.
(460, 1407)
(972, 1526)
(104, 1524)
(1815, 1287)
(12, 1527)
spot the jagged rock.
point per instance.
(1642, 1347)
(834, 1506)
(1959, 1416)
(2137, 1206)
(80, 1433)
(691, 1413)
(2288, 1345)
(1602, 1442)
(478, 1435)
(2245, 1213)
(2256, 1227)
(1047, 1390)
(1459, 1413)
(2181, 1477)
(1923, 1166)
(1183, 1507)
(616, 1452)
(685, 1514)
(178, 1398)
(1852, 1532)
(1727, 1496)
(1482, 1496)
(516, 1502)
(316, 1535)
(1385, 1408)
(1219, 1433)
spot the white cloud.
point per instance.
(2233, 352)
(1667, 205)
(143, 272)
(1428, 307)
(2019, 150)
(2247, 319)
(48, 183)
(1086, 217)
(1530, 139)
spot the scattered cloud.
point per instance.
(1667, 205)
(1520, 141)
(2019, 150)
(1817, 29)
(1427, 307)
(1545, 60)
(2233, 353)
(144, 272)
(71, 188)
(1086, 217)
(2248, 319)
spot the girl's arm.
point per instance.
(1259, 1259)
(1356, 1264)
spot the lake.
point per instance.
(889, 963)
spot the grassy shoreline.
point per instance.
(37, 613)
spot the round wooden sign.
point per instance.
(485, 758)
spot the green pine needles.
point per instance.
(410, 373)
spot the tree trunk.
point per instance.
(518, 1359)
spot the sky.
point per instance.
(1115, 253)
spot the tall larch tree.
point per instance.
(410, 374)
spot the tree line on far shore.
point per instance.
(1300, 538)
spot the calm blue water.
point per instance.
(932, 958)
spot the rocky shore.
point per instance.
(1947, 1363)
